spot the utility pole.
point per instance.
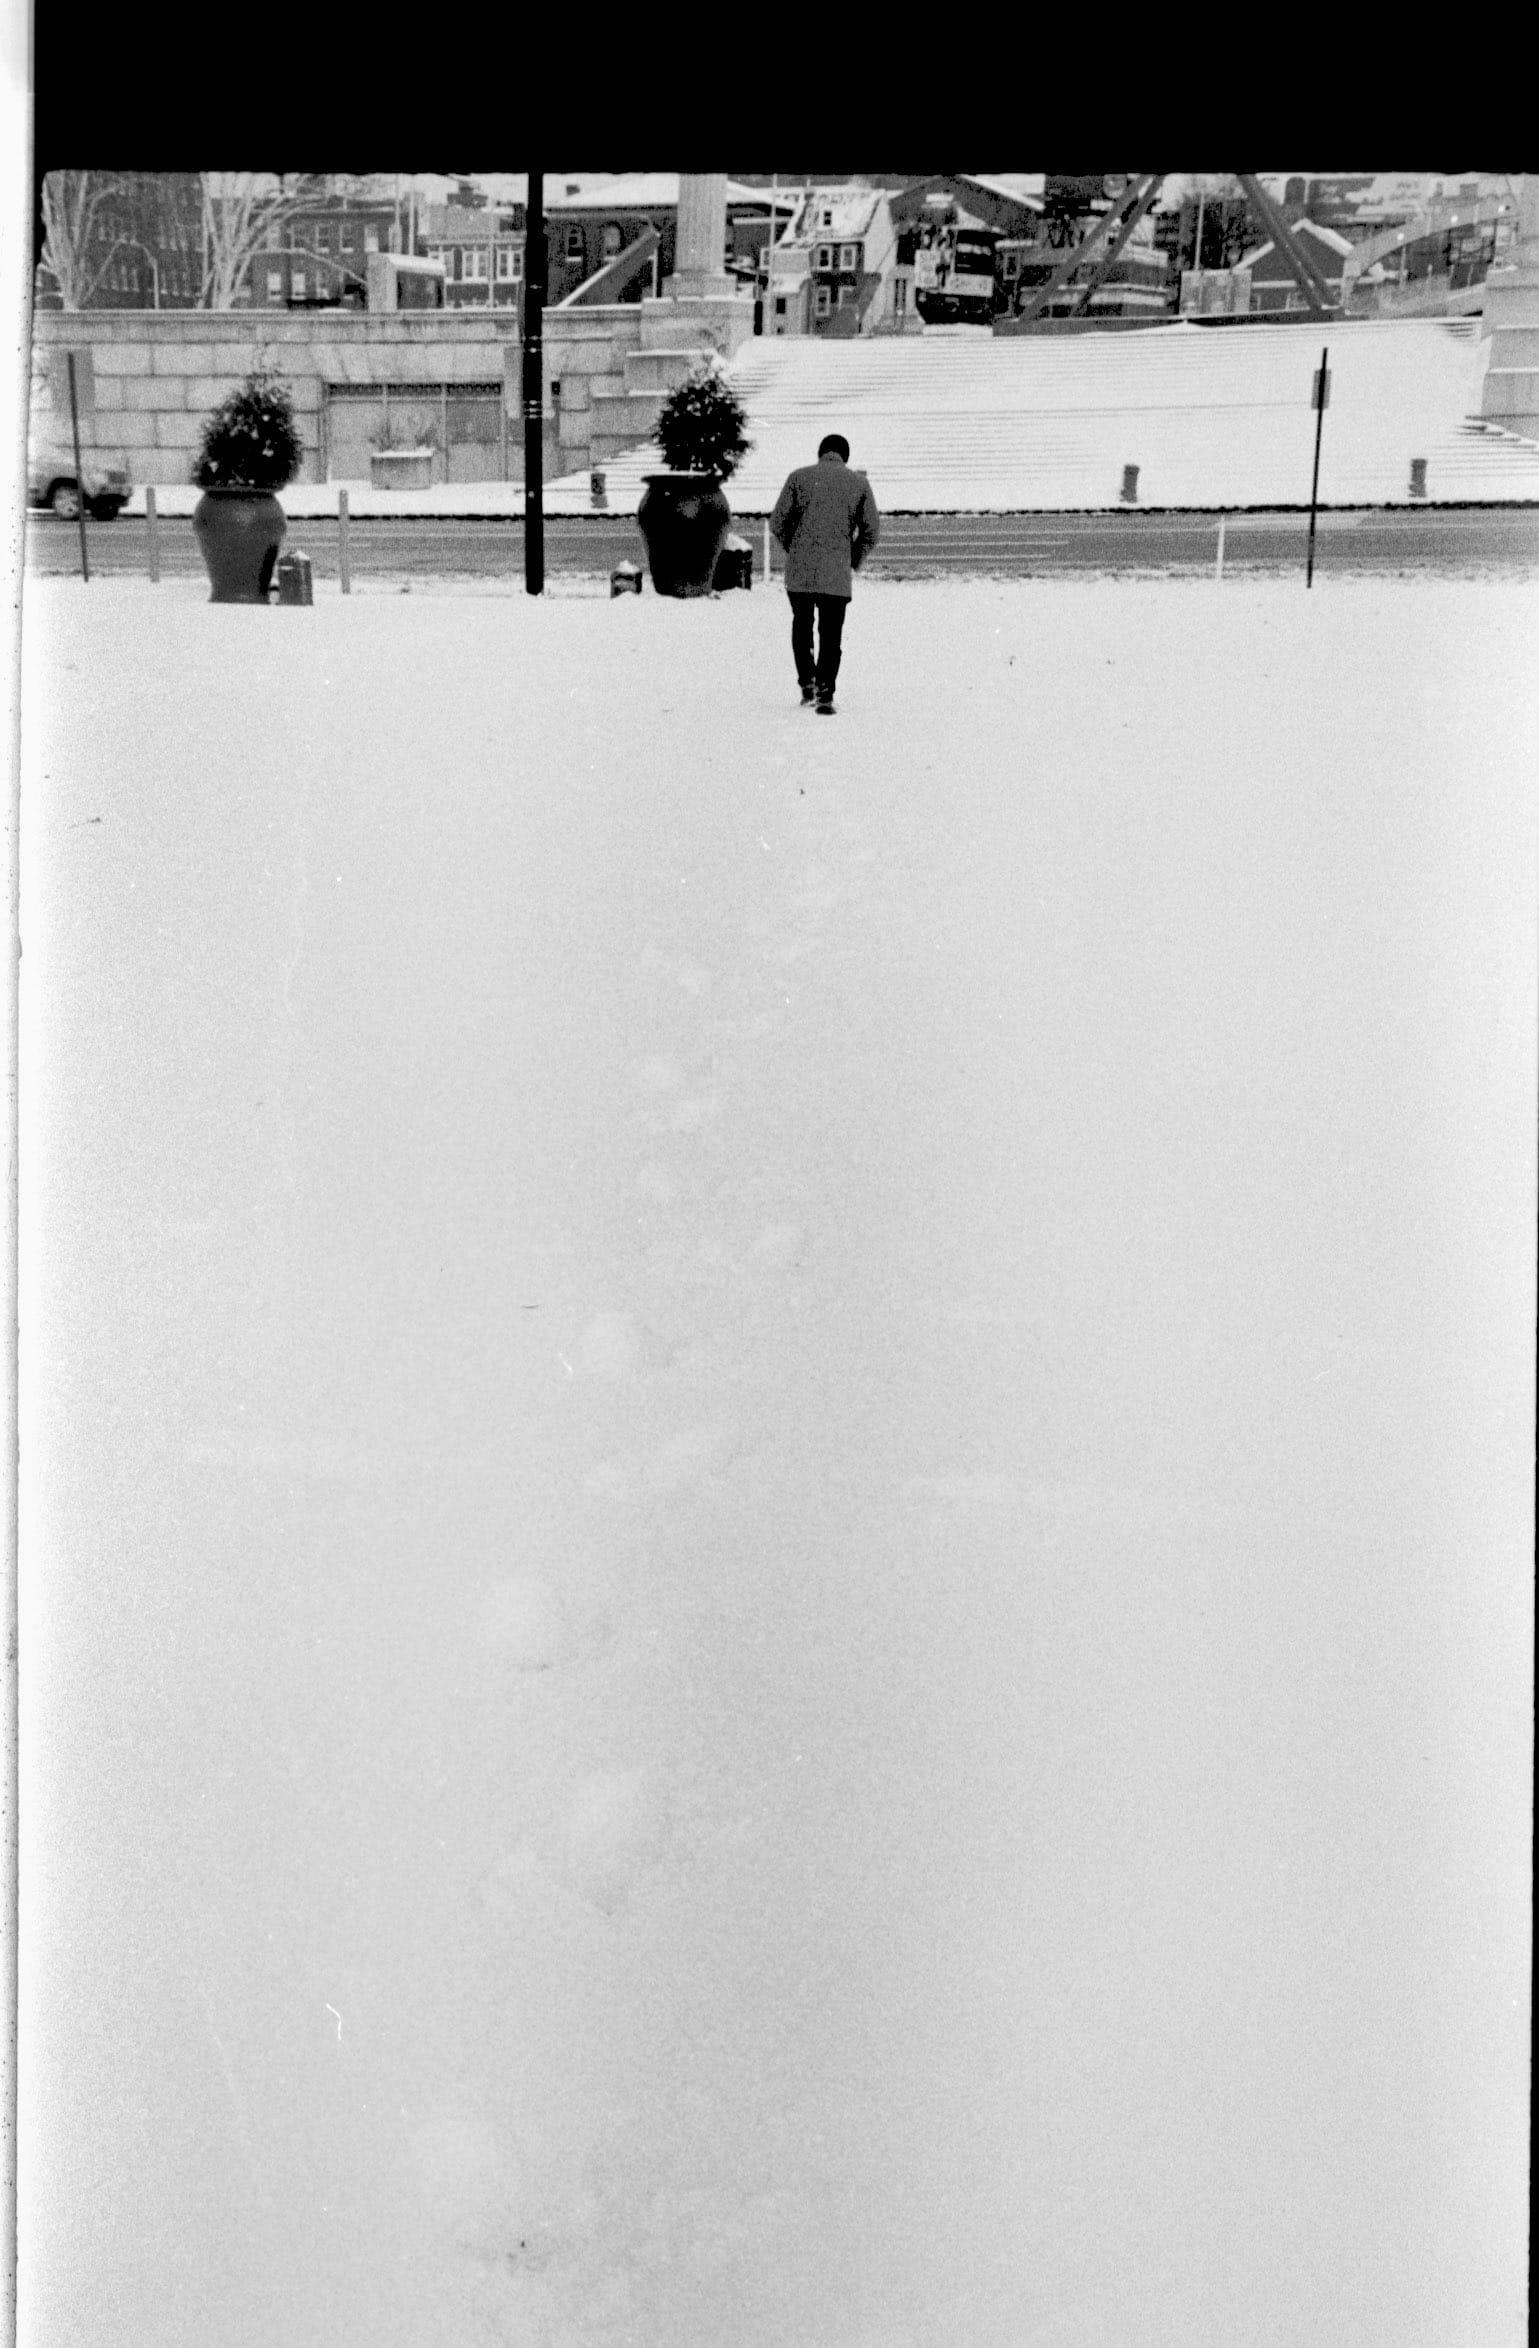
(534, 387)
(80, 490)
(1322, 393)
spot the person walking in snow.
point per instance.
(826, 519)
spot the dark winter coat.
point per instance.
(826, 519)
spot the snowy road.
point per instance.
(1442, 541)
(777, 1475)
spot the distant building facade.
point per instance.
(839, 262)
(319, 259)
(1274, 287)
(588, 226)
(146, 242)
(590, 223)
(482, 249)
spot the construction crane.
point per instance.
(1087, 266)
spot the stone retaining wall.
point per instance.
(153, 377)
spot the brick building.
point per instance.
(319, 259)
(482, 251)
(145, 249)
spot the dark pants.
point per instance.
(830, 610)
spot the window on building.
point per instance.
(823, 302)
(271, 240)
(506, 256)
(517, 271)
(825, 257)
(611, 239)
(574, 244)
(475, 261)
(780, 305)
(371, 240)
(298, 285)
(848, 257)
(322, 238)
(828, 220)
(275, 285)
(346, 240)
(846, 296)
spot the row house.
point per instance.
(835, 270)
(319, 258)
(481, 249)
(967, 199)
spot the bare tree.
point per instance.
(79, 245)
(242, 211)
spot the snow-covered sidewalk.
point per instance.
(777, 1569)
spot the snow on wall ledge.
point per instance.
(959, 421)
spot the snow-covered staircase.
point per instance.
(958, 420)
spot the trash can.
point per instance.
(1130, 485)
(295, 584)
(734, 564)
(1418, 476)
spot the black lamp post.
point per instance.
(534, 388)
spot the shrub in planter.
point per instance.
(401, 455)
(250, 450)
(683, 515)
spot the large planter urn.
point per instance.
(683, 518)
(239, 532)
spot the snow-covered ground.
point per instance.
(777, 1475)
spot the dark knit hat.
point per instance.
(835, 444)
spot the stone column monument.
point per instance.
(698, 274)
(1510, 393)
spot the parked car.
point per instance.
(51, 478)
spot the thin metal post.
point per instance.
(766, 550)
(535, 272)
(1322, 394)
(344, 551)
(74, 424)
(1218, 567)
(152, 527)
